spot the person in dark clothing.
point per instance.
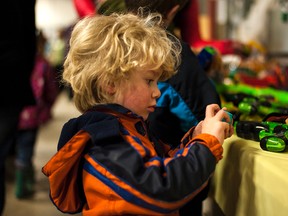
(45, 89)
(18, 49)
(183, 100)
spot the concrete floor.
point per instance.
(40, 204)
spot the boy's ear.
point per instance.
(110, 88)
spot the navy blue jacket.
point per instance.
(108, 155)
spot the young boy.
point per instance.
(107, 162)
(184, 96)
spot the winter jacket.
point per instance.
(45, 89)
(107, 164)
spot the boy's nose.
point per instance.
(156, 93)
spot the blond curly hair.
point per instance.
(104, 50)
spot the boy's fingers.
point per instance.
(211, 110)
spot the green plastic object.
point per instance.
(273, 136)
(273, 144)
(280, 96)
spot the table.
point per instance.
(249, 181)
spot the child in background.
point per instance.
(107, 162)
(45, 89)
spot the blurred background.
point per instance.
(264, 21)
(262, 25)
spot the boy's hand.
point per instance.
(213, 123)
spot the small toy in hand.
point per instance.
(230, 116)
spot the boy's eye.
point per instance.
(150, 81)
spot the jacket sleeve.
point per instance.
(209, 141)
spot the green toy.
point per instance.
(280, 96)
(273, 136)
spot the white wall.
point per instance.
(54, 14)
(278, 33)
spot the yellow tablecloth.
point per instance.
(250, 181)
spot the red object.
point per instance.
(268, 81)
(84, 7)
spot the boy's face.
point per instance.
(140, 92)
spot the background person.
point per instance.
(45, 89)
(17, 48)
